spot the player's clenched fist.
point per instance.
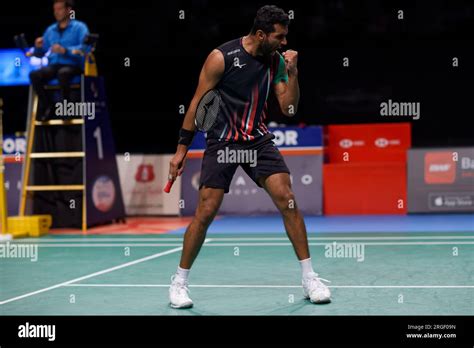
(291, 60)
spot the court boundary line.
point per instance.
(277, 286)
(316, 244)
(108, 270)
(222, 239)
(240, 244)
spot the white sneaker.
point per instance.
(315, 290)
(179, 293)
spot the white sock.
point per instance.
(306, 267)
(182, 273)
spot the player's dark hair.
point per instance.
(267, 16)
(67, 3)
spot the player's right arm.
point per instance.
(210, 75)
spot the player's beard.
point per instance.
(268, 49)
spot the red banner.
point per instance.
(368, 142)
(365, 188)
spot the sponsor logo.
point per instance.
(439, 168)
(233, 52)
(237, 63)
(345, 143)
(467, 163)
(238, 190)
(13, 145)
(288, 138)
(348, 143)
(384, 142)
(239, 185)
(145, 173)
(103, 193)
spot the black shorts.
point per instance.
(259, 158)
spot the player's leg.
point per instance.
(214, 182)
(271, 173)
(210, 200)
(278, 186)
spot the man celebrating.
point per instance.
(64, 40)
(243, 71)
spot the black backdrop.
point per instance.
(407, 60)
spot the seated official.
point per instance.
(64, 42)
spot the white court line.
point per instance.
(102, 245)
(370, 243)
(108, 270)
(279, 286)
(92, 240)
(147, 245)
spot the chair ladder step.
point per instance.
(71, 122)
(57, 154)
(55, 188)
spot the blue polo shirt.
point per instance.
(71, 38)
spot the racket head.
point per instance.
(208, 110)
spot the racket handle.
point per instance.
(167, 188)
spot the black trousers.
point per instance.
(64, 74)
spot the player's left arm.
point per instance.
(285, 83)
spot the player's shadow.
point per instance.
(290, 309)
(188, 311)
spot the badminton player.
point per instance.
(244, 71)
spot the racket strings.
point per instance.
(207, 111)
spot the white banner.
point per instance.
(143, 178)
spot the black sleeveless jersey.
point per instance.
(244, 89)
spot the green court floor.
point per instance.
(393, 274)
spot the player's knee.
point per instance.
(286, 201)
(206, 212)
